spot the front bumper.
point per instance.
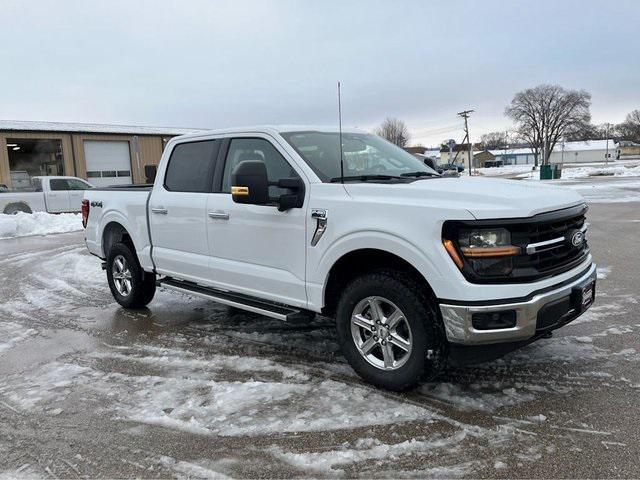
(458, 318)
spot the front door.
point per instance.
(256, 249)
(58, 195)
(76, 193)
(178, 212)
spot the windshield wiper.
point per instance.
(420, 174)
(365, 178)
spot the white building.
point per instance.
(590, 151)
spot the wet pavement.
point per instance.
(188, 388)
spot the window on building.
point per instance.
(33, 157)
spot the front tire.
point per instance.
(389, 330)
(130, 285)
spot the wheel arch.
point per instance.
(20, 206)
(360, 261)
(114, 232)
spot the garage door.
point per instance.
(108, 163)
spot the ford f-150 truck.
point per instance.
(418, 270)
(47, 194)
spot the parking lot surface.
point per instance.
(188, 388)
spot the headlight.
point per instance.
(487, 251)
(494, 242)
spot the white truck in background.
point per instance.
(52, 194)
(418, 270)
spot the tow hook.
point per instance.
(103, 265)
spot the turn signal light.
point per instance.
(453, 253)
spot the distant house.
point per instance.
(459, 154)
(627, 150)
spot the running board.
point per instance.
(244, 302)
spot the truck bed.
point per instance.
(135, 188)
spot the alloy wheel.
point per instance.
(381, 333)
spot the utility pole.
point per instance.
(465, 114)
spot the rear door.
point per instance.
(256, 249)
(57, 198)
(178, 211)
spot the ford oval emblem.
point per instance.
(577, 239)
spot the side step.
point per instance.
(244, 302)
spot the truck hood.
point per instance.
(484, 198)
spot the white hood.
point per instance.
(484, 198)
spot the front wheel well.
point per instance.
(115, 233)
(358, 262)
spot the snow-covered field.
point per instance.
(38, 223)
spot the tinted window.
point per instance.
(191, 166)
(58, 184)
(242, 149)
(77, 184)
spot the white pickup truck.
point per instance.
(47, 194)
(417, 269)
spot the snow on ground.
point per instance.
(38, 223)
(576, 172)
(12, 333)
(236, 375)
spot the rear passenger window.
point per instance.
(191, 167)
(58, 184)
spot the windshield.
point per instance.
(363, 154)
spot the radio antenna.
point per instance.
(340, 135)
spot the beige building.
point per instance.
(101, 154)
(627, 150)
(459, 154)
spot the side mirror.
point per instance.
(291, 200)
(249, 183)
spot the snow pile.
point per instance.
(504, 170)
(571, 172)
(38, 223)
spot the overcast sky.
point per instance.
(217, 64)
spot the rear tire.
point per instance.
(389, 330)
(130, 285)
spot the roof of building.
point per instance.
(568, 147)
(20, 125)
(458, 147)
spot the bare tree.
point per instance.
(630, 128)
(546, 113)
(494, 140)
(395, 131)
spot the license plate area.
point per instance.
(584, 295)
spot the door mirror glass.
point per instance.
(250, 183)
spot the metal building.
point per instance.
(101, 154)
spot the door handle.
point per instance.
(219, 215)
(160, 210)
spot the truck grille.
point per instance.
(550, 243)
(547, 247)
